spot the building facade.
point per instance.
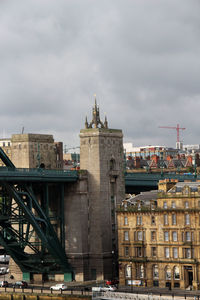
(30, 150)
(159, 237)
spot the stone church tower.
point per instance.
(101, 154)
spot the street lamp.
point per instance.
(131, 278)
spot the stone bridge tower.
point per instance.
(101, 154)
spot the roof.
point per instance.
(179, 187)
(144, 197)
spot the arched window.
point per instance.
(128, 271)
(155, 272)
(125, 220)
(141, 271)
(112, 164)
(168, 274)
(187, 219)
(176, 273)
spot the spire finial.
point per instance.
(106, 122)
(95, 101)
(86, 122)
(96, 122)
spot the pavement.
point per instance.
(159, 291)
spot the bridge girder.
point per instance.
(26, 231)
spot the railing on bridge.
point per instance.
(142, 296)
(24, 174)
(152, 179)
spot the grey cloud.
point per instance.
(140, 57)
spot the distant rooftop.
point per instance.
(181, 185)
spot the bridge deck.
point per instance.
(44, 175)
(151, 179)
(38, 175)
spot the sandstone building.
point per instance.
(159, 237)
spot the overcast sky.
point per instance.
(140, 57)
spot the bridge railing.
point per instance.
(49, 172)
(24, 174)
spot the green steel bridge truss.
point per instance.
(26, 226)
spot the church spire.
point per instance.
(106, 122)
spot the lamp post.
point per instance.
(131, 278)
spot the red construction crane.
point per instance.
(177, 130)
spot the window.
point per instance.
(93, 274)
(164, 204)
(153, 251)
(126, 251)
(176, 284)
(138, 252)
(125, 220)
(186, 204)
(187, 253)
(187, 219)
(173, 204)
(173, 219)
(153, 236)
(139, 236)
(128, 271)
(165, 219)
(187, 236)
(176, 273)
(166, 236)
(155, 283)
(168, 274)
(153, 220)
(174, 236)
(141, 271)
(139, 220)
(112, 164)
(155, 272)
(126, 236)
(175, 252)
(166, 252)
